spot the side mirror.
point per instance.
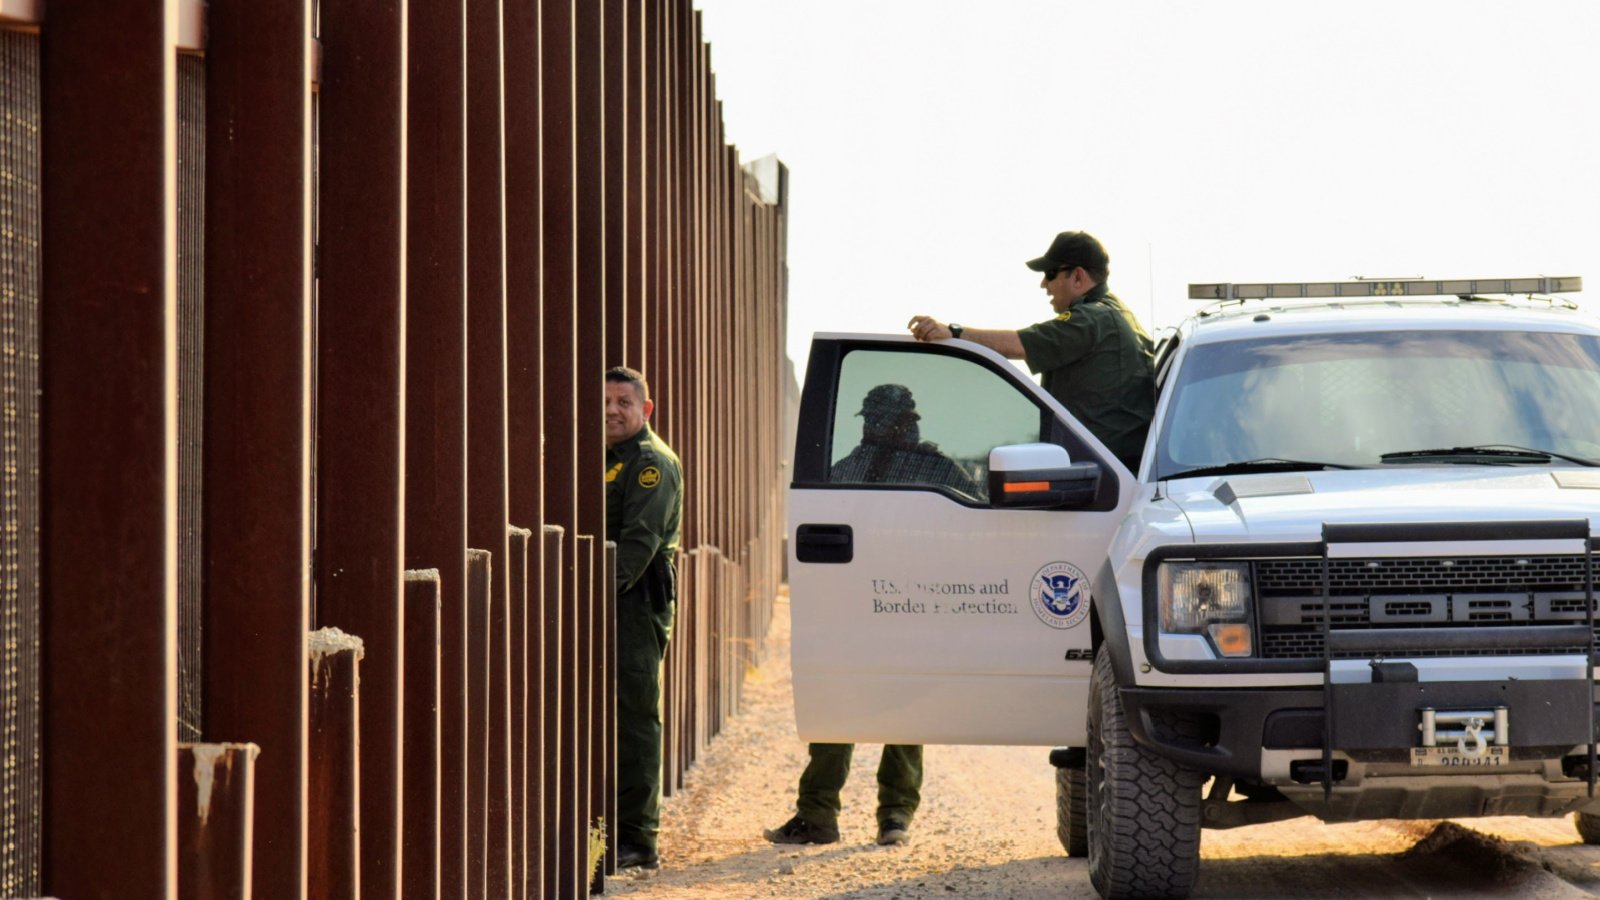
(1040, 476)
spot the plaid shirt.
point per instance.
(890, 464)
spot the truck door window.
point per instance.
(924, 419)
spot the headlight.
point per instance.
(1208, 598)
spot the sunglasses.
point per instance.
(1050, 274)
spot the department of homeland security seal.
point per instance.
(1060, 595)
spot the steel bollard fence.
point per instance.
(490, 203)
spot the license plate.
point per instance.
(1453, 758)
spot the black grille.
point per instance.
(1415, 593)
(1402, 575)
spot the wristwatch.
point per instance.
(955, 330)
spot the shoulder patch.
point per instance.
(649, 477)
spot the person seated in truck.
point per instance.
(891, 452)
(1094, 356)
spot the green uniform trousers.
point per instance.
(899, 783)
(642, 633)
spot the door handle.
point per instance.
(824, 543)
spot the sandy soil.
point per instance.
(987, 829)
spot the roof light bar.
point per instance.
(1459, 287)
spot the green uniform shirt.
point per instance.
(644, 503)
(1097, 361)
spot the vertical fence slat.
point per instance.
(500, 750)
(107, 426)
(524, 391)
(334, 825)
(361, 314)
(588, 703)
(257, 420)
(613, 64)
(487, 514)
(479, 600)
(216, 796)
(436, 396)
(562, 477)
(517, 565)
(554, 703)
(420, 831)
(609, 614)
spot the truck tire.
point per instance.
(1072, 810)
(1143, 809)
(1588, 827)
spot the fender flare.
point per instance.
(1110, 626)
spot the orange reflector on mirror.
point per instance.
(1017, 487)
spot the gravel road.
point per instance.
(987, 829)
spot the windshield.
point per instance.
(1348, 399)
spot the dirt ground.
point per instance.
(987, 829)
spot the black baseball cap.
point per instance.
(888, 400)
(1072, 248)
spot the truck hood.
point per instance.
(1293, 507)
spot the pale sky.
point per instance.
(935, 145)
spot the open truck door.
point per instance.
(946, 519)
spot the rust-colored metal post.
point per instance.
(334, 824)
(600, 697)
(562, 476)
(108, 323)
(524, 395)
(653, 199)
(361, 388)
(608, 608)
(593, 253)
(420, 832)
(487, 514)
(479, 600)
(436, 398)
(631, 323)
(216, 799)
(553, 694)
(613, 61)
(499, 745)
(517, 566)
(257, 420)
(588, 714)
(663, 348)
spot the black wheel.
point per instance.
(1588, 827)
(1143, 809)
(1072, 810)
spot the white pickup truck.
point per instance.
(1353, 576)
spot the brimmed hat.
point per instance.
(1072, 248)
(887, 400)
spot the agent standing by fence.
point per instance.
(644, 506)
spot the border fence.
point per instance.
(304, 308)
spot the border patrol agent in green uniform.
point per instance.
(1094, 356)
(644, 507)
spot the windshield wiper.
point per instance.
(1266, 464)
(1492, 454)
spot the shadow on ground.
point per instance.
(1450, 861)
